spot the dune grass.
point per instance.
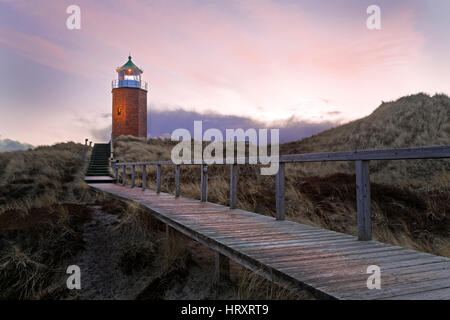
(42, 177)
(41, 217)
(44, 201)
(410, 199)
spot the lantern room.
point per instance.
(129, 76)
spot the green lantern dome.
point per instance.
(130, 66)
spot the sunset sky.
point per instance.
(273, 62)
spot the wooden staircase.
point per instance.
(98, 170)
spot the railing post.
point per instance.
(124, 174)
(233, 185)
(167, 232)
(204, 183)
(158, 178)
(144, 177)
(177, 180)
(133, 174)
(363, 200)
(222, 268)
(280, 198)
(116, 173)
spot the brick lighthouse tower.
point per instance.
(129, 102)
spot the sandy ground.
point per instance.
(102, 278)
(122, 261)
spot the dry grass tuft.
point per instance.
(40, 225)
(42, 177)
(254, 287)
(412, 121)
(410, 199)
(22, 277)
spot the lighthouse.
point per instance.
(129, 102)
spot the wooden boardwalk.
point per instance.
(326, 263)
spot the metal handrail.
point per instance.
(129, 84)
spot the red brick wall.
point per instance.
(133, 117)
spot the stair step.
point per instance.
(99, 162)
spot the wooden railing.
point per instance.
(362, 159)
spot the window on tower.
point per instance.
(119, 111)
(131, 77)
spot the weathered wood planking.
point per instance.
(329, 264)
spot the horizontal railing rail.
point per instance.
(129, 84)
(361, 157)
(434, 152)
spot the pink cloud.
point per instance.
(258, 55)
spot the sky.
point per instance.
(290, 64)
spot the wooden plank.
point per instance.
(387, 261)
(167, 232)
(273, 244)
(439, 294)
(221, 267)
(305, 254)
(243, 241)
(233, 185)
(249, 233)
(328, 241)
(281, 254)
(431, 152)
(244, 228)
(204, 225)
(407, 283)
(434, 152)
(363, 200)
(390, 285)
(280, 193)
(233, 233)
(325, 276)
(329, 264)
